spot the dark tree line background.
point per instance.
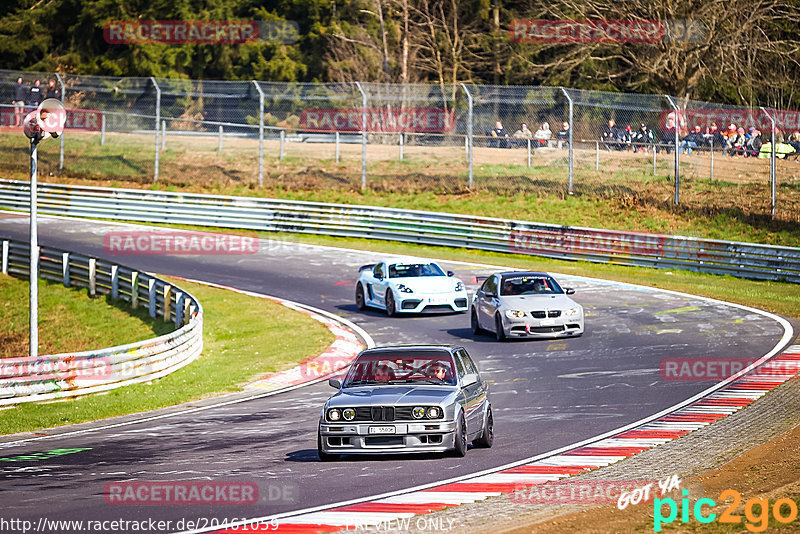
(749, 53)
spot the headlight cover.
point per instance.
(334, 415)
(434, 412)
(418, 412)
(573, 312)
(513, 314)
(402, 288)
(349, 414)
(459, 287)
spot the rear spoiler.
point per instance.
(365, 267)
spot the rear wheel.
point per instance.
(391, 308)
(460, 448)
(498, 328)
(360, 302)
(324, 456)
(476, 327)
(486, 439)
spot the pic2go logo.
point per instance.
(783, 510)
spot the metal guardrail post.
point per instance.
(61, 149)
(219, 143)
(772, 166)
(163, 135)
(179, 296)
(571, 158)
(4, 258)
(364, 126)
(167, 301)
(115, 282)
(283, 141)
(470, 137)
(65, 269)
(151, 297)
(260, 134)
(92, 277)
(158, 121)
(102, 129)
(597, 156)
(401, 146)
(337, 147)
(677, 154)
(134, 289)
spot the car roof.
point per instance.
(510, 274)
(410, 349)
(407, 259)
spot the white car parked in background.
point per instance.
(525, 304)
(409, 285)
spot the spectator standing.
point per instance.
(20, 96)
(563, 135)
(53, 91)
(35, 95)
(523, 135)
(500, 134)
(543, 134)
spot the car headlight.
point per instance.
(459, 287)
(402, 288)
(418, 412)
(349, 414)
(334, 415)
(433, 412)
(572, 312)
(514, 313)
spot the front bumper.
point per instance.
(355, 438)
(414, 303)
(542, 328)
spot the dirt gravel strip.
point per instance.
(495, 501)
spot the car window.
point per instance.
(490, 285)
(413, 270)
(377, 272)
(529, 285)
(397, 368)
(460, 365)
(469, 365)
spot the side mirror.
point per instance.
(469, 379)
(491, 294)
(378, 276)
(569, 291)
(334, 383)
(450, 273)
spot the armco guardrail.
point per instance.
(28, 379)
(743, 260)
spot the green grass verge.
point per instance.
(244, 337)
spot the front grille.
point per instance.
(378, 441)
(546, 329)
(554, 313)
(541, 314)
(403, 413)
(438, 308)
(383, 413)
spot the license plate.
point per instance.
(547, 322)
(381, 430)
(437, 300)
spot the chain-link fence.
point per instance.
(442, 137)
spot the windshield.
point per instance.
(530, 285)
(412, 270)
(385, 369)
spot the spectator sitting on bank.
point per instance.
(714, 138)
(610, 135)
(35, 95)
(668, 136)
(20, 95)
(736, 143)
(794, 141)
(543, 134)
(782, 150)
(563, 135)
(692, 140)
(522, 135)
(753, 143)
(53, 91)
(500, 134)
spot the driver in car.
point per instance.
(437, 372)
(383, 373)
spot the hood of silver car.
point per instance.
(401, 395)
(537, 302)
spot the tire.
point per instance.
(460, 448)
(486, 439)
(361, 302)
(391, 308)
(324, 456)
(476, 328)
(498, 328)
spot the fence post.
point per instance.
(92, 277)
(102, 129)
(655, 153)
(470, 138)
(65, 269)
(677, 153)
(115, 282)
(712, 159)
(363, 136)
(283, 140)
(134, 289)
(337, 147)
(163, 135)
(61, 149)
(401, 146)
(151, 296)
(4, 261)
(529, 153)
(260, 134)
(158, 120)
(772, 165)
(219, 143)
(597, 156)
(571, 160)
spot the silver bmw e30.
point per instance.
(404, 399)
(526, 305)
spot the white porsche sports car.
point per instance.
(409, 285)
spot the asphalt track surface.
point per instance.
(546, 394)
